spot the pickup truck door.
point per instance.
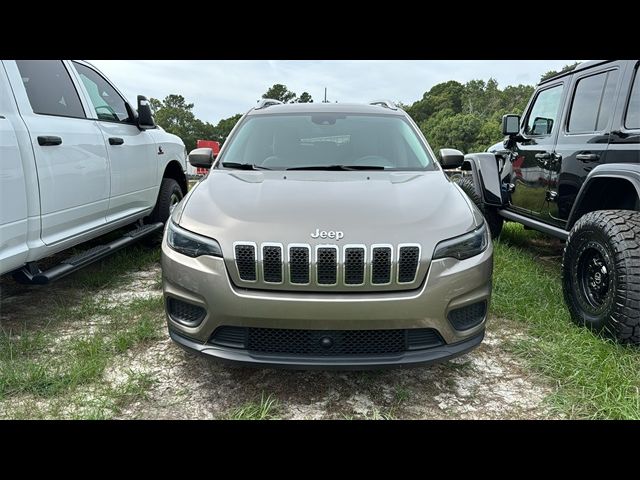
(133, 153)
(583, 137)
(534, 154)
(13, 198)
(70, 154)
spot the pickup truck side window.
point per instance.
(592, 103)
(632, 120)
(108, 104)
(544, 112)
(49, 88)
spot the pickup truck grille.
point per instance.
(274, 265)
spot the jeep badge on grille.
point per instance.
(337, 234)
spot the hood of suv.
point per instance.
(293, 207)
(287, 207)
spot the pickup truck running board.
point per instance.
(31, 273)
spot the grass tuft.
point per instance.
(265, 409)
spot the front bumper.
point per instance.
(450, 284)
(418, 357)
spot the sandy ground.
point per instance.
(489, 382)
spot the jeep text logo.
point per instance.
(337, 234)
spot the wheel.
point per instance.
(494, 221)
(169, 196)
(601, 273)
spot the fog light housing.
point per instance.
(184, 313)
(467, 317)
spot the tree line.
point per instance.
(466, 116)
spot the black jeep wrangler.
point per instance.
(571, 168)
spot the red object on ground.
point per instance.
(212, 144)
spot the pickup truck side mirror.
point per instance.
(510, 124)
(201, 157)
(451, 158)
(145, 117)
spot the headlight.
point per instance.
(190, 244)
(464, 246)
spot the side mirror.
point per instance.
(201, 157)
(510, 124)
(451, 158)
(145, 117)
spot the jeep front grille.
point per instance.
(299, 260)
(354, 265)
(349, 266)
(327, 265)
(408, 263)
(246, 261)
(381, 265)
(272, 263)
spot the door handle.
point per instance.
(116, 141)
(543, 156)
(587, 157)
(46, 140)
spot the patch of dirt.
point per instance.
(487, 383)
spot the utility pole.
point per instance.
(325, 95)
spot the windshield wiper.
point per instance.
(244, 166)
(338, 167)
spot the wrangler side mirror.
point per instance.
(510, 124)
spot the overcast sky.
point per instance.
(221, 88)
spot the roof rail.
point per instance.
(267, 102)
(385, 103)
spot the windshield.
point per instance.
(326, 140)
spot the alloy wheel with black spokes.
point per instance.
(593, 273)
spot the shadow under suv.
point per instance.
(327, 235)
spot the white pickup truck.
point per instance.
(77, 161)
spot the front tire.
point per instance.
(168, 197)
(494, 221)
(601, 274)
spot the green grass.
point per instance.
(595, 378)
(41, 364)
(264, 409)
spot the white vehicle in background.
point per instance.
(77, 161)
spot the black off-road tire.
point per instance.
(170, 194)
(494, 221)
(601, 274)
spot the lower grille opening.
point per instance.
(469, 316)
(185, 313)
(235, 337)
(326, 343)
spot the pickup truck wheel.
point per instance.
(494, 221)
(601, 273)
(169, 196)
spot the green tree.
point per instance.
(224, 127)
(467, 117)
(280, 92)
(551, 73)
(447, 95)
(304, 98)
(176, 116)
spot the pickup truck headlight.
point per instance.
(191, 244)
(464, 246)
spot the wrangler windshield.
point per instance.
(332, 141)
